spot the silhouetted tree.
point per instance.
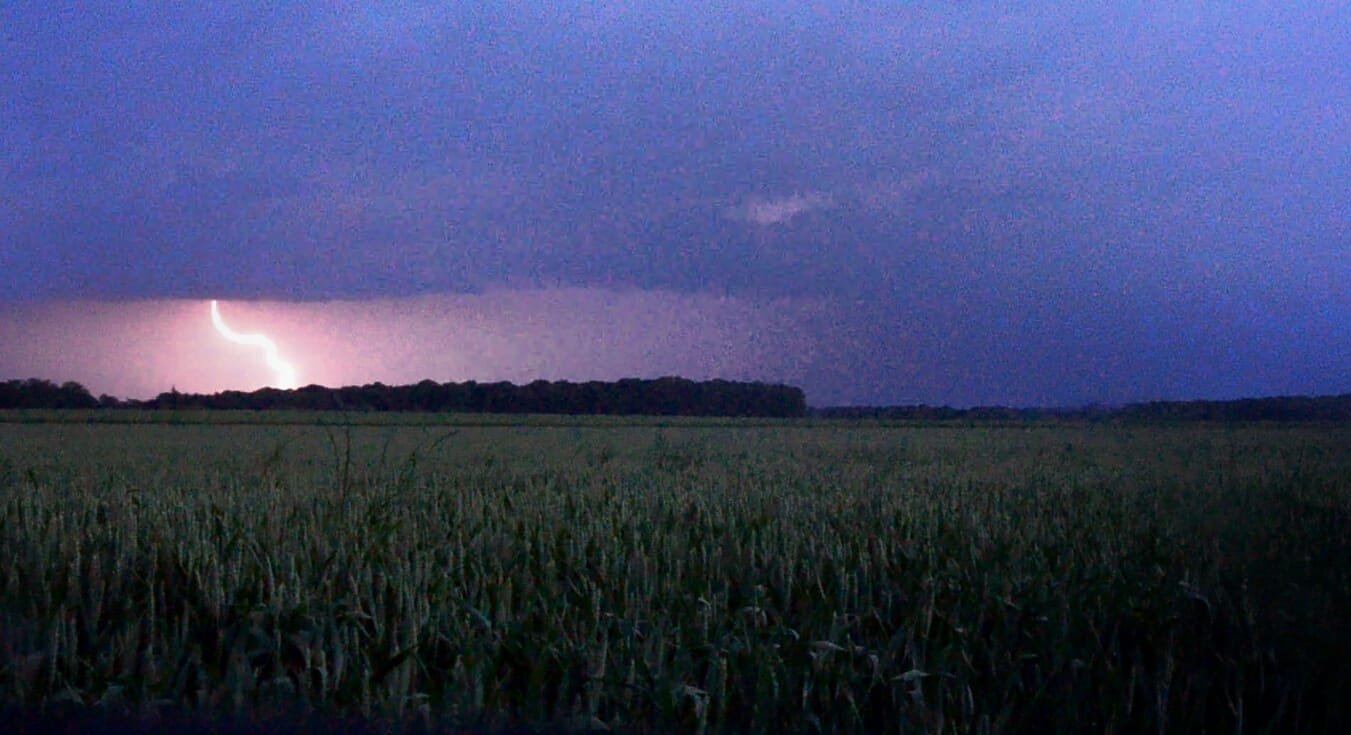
(37, 393)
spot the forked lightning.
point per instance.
(286, 373)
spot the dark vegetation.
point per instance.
(667, 396)
(35, 393)
(839, 578)
(661, 397)
(1279, 408)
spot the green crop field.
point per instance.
(641, 576)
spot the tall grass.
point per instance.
(683, 579)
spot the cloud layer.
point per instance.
(999, 173)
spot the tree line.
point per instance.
(35, 393)
(668, 396)
(1278, 408)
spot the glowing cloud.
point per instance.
(286, 373)
(767, 212)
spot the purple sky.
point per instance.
(956, 202)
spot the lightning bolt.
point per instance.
(286, 373)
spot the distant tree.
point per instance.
(74, 395)
(36, 393)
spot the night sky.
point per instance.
(958, 202)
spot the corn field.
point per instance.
(687, 577)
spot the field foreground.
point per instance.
(680, 578)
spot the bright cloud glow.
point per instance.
(286, 373)
(775, 211)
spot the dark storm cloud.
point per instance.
(1021, 202)
(505, 135)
